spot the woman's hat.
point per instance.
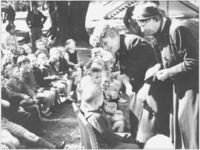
(145, 11)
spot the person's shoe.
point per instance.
(62, 145)
(121, 100)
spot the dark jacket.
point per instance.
(17, 88)
(135, 57)
(35, 20)
(179, 52)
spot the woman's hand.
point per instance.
(162, 74)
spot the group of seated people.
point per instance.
(35, 84)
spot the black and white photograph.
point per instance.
(99, 74)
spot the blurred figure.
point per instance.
(9, 15)
(35, 20)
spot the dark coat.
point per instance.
(179, 54)
(18, 89)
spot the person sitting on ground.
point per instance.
(75, 72)
(8, 58)
(10, 42)
(39, 78)
(45, 95)
(17, 114)
(61, 69)
(10, 131)
(40, 47)
(92, 100)
(50, 78)
(22, 94)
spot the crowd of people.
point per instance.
(160, 77)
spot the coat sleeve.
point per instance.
(11, 90)
(187, 49)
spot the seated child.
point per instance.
(117, 79)
(96, 53)
(8, 58)
(111, 103)
(92, 100)
(75, 72)
(116, 116)
(40, 48)
(61, 69)
(45, 95)
(49, 75)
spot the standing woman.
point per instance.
(177, 50)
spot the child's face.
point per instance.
(55, 54)
(110, 64)
(9, 55)
(97, 77)
(105, 81)
(111, 42)
(21, 51)
(44, 60)
(72, 47)
(16, 72)
(33, 61)
(25, 65)
(12, 31)
(28, 50)
(40, 45)
(45, 40)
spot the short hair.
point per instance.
(91, 94)
(9, 27)
(97, 63)
(69, 41)
(53, 49)
(100, 32)
(38, 41)
(68, 44)
(9, 69)
(22, 59)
